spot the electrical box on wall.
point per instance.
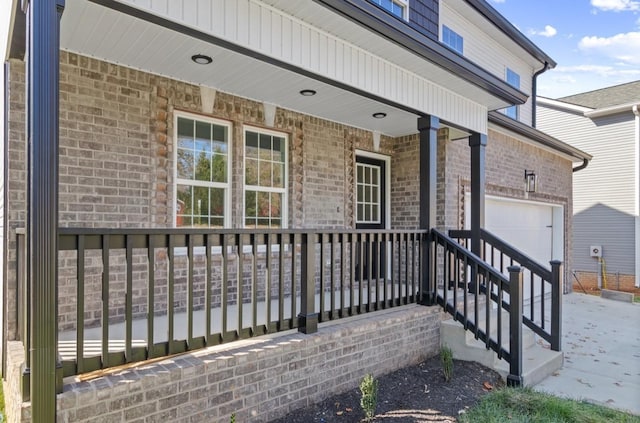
(595, 251)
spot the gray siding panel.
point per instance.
(603, 194)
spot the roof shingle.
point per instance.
(606, 97)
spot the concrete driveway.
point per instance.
(601, 345)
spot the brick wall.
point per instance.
(258, 380)
(506, 159)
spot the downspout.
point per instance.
(585, 163)
(636, 112)
(534, 95)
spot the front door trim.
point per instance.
(387, 182)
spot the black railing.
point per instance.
(543, 315)
(127, 295)
(475, 293)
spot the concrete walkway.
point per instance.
(601, 345)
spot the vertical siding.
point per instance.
(489, 53)
(604, 192)
(275, 34)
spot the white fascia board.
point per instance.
(544, 101)
(605, 111)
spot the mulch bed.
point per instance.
(409, 395)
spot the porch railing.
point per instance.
(542, 287)
(128, 295)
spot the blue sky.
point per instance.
(596, 43)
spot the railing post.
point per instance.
(308, 318)
(515, 326)
(556, 305)
(23, 311)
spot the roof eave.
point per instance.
(537, 136)
(376, 20)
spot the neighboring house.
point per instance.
(606, 195)
(217, 159)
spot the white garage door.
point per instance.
(536, 229)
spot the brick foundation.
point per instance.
(617, 282)
(259, 380)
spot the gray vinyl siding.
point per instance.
(603, 193)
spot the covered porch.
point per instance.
(127, 72)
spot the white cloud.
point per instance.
(548, 32)
(623, 47)
(616, 5)
(599, 70)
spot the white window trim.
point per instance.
(442, 28)
(285, 191)
(227, 196)
(506, 78)
(405, 8)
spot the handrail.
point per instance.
(486, 285)
(551, 277)
(508, 249)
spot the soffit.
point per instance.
(93, 30)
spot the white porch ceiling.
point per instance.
(97, 31)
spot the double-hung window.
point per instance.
(202, 171)
(399, 8)
(452, 39)
(513, 79)
(265, 178)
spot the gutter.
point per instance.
(534, 92)
(370, 16)
(540, 137)
(611, 110)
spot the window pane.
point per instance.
(220, 133)
(263, 204)
(201, 206)
(185, 127)
(203, 167)
(360, 213)
(265, 146)
(203, 131)
(374, 213)
(216, 204)
(276, 205)
(183, 206)
(251, 172)
(278, 172)
(278, 149)
(250, 204)
(219, 168)
(185, 164)
(265, 174)
(251, 145)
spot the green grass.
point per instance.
(524, 405)
(1, 403)
(636, 299)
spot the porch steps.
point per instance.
(538, 361)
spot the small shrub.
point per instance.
(233, 418)
(446, 357)
(369, 400)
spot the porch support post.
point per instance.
(477, 142)
(43, 20)
(428, 127)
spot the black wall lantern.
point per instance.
(530, 181)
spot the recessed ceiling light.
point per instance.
(308, 93)
(379, 115)
(201, 59)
